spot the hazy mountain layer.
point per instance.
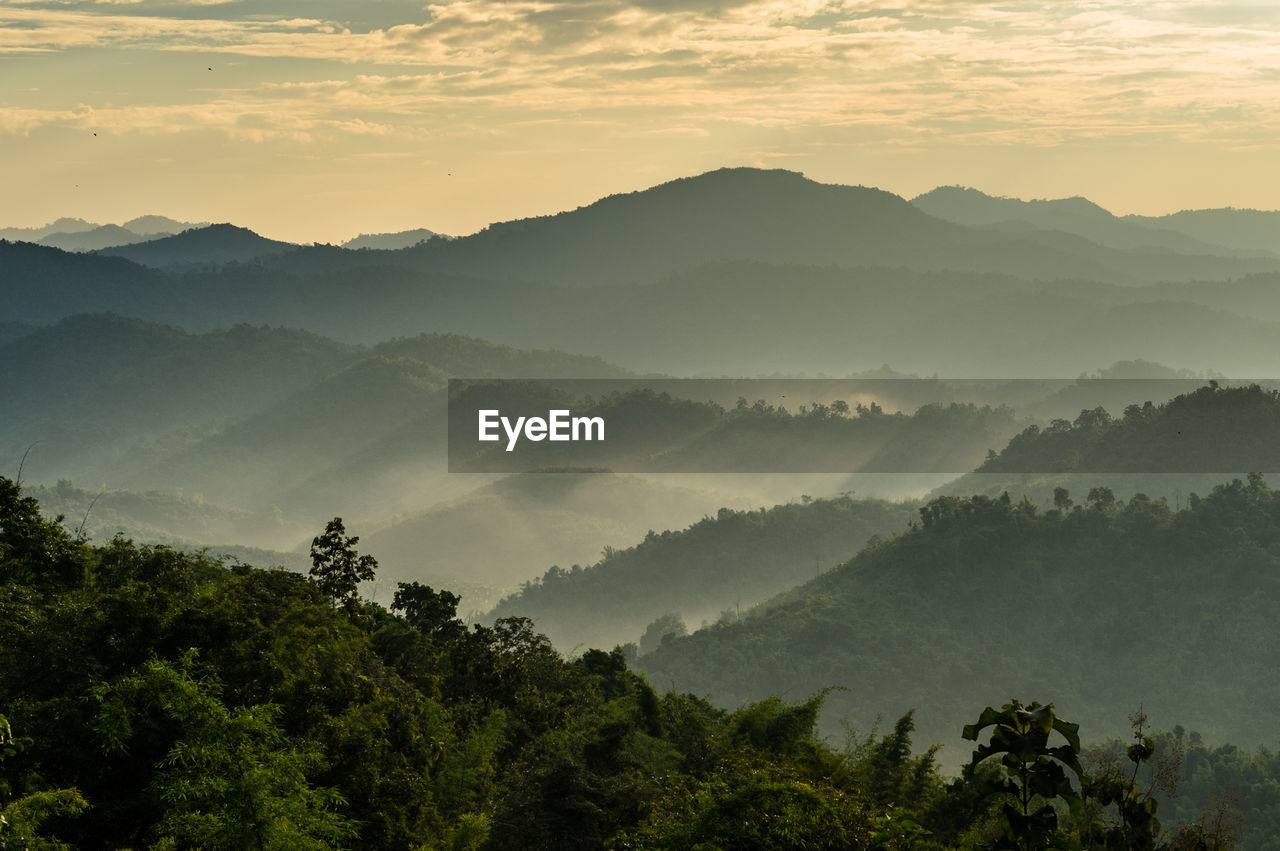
(717, 566)
(1103, 607)
(1078, 216)
(250, 417)
(215, 244)
(391, 241)
(1257, 230)
(105, 236)
(514, 529)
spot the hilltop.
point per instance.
(1104, 606)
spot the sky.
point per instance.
(319, 120)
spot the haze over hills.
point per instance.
(268, 432)
(782, 217)
(727, 319)
(1078, 216)
(514, 529)
(392, 241)
(971, 603)
(721, 565)
(105, 236)
(1238, 229)
(72, 234)
(248, 416)
(835, 298)
(66, 224)
(213, 245)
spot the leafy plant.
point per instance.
(1032, 778)
(336, 566)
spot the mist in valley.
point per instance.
(931, 447)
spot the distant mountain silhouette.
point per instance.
(160, 225)
(62, 225)
(251, 415)
(782, 217)
(44, 284)
(72, 234)
(1243, 230)
(392, 241)
(106, 236)
(215, 244)
(1077, 215)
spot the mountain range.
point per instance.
(738, 271)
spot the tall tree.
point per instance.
(337, 568)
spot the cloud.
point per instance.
(930, 70)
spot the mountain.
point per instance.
(515, 528)
(392, 241)
(160, 225)
(1240, 230)
(212, 245)
(106, 236)
(470, 357)
(62, 225)
(101, 392)
(43, 284)
(722, 563)
(769, 216)
(722, 319)
(73, 234)
(781, 217)
(285, 451)
(175, 518)
(1078, 216)
(1212, 430)
(289, 425)
(1098, 609)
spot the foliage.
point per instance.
(166, 700)
(1127, 817)
(191, 704)
(732, 559)
(1091, 606)
(1214, 429)
(20, 818)
(336, 566)
(1032, 781)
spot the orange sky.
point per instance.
(321, 120)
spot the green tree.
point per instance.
(426, 610)
(1031, 775)
(231, 779)
(668, 626)
(337, 568)
(21, 818)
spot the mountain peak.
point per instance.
(217, 244)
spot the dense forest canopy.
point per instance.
(693, 661)
(1170, 609)
(714, 568)
(149, 698)
(1213, 430)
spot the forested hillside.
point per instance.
(735, 272)
(1212, 430)
(280, 423)
(716, 567)
(149, 698)
(1173, 610)
(511, 530)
